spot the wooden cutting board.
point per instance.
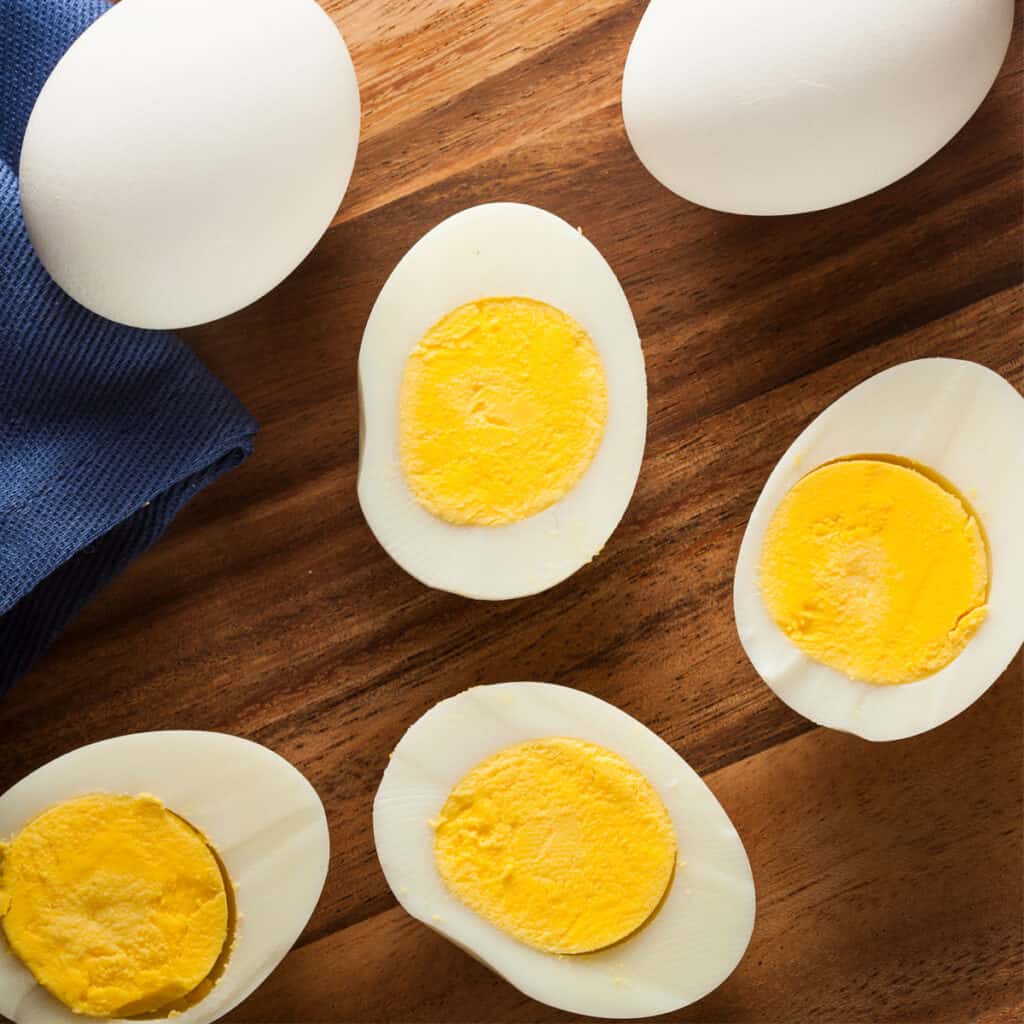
(889, 877)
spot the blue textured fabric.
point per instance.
(105, 431)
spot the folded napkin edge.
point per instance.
(32, 546)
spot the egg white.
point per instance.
(965, 422)
(686, 950)
(499, 249)
(790, 106)
(185, 156)
(259, 812)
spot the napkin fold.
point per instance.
(105, 431)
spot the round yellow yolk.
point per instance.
(116, 905)
(558, 842)
(876, 570)
(502, 408)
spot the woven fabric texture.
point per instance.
(105, 431)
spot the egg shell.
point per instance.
(499, 249)
(790, 106)
(686, 950)
(185, 155)
(966, 423)
(259, 812)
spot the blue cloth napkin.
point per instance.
(105, 431)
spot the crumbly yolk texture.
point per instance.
(502, 408)
(560, 843)
(876, 570)
(116, 905)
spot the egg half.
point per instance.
(490, 798)
(786, 107)
(503, 404)
(262, 821)
(184, 156)
(880, 582)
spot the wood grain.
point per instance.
(889, 877)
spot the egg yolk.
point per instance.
(560, 843)
(502, 408)
(116, 905)
(876, 570)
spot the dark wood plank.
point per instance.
(886, 875)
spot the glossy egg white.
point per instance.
(687, 949)
(499, 249)
(791, 106)
(966, 423)
(259, 812)
(185, 155)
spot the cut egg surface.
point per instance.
(880, 581)
(502, 408)
(787, 107)
(503, 404)
(117, 906)
(161, 874)
(562, 843)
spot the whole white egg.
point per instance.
(259, 813)
(791, 106)
(185, 155)
(499, 249)
(956, 419)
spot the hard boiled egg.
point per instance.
(880, 581)
(566, 846)
(504, 404)
(162, 873)
(790, 106)
(184, 156)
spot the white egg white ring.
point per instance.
(499, 249)
(966, 423)
(685, 951)
(265, 820)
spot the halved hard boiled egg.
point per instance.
(566, 846)
(880, 583)
(162, 874)
(504, 404)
